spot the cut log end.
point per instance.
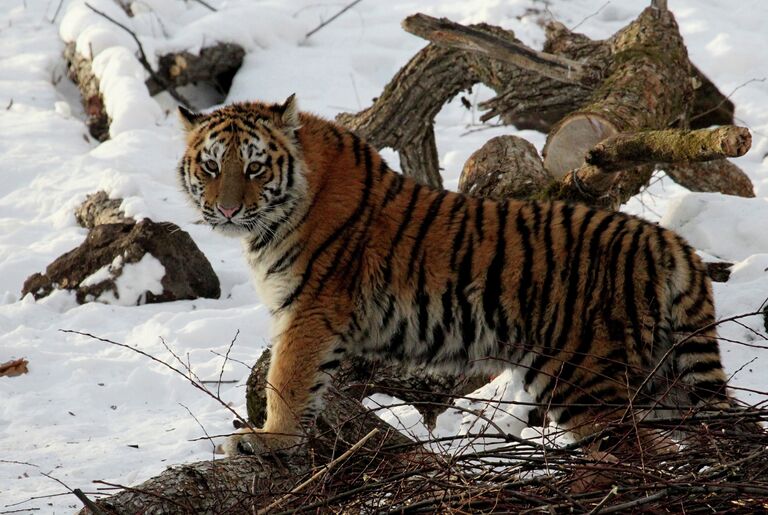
(571, 139)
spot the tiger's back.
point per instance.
(601, 309)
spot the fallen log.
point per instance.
(516, 107)
(215, 65)
(80, 72)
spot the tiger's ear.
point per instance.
(189, 119)
(289, 114)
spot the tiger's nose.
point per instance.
(229, 212)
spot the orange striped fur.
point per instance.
(601, 309)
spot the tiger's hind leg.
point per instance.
(304, 357)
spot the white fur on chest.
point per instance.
(272, 288)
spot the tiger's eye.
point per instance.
(211, 166)
(255, 168)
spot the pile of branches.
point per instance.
(354, 462)
(717, 471)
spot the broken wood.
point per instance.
(627, 150)
(98, 209)
(719, 175)
(13, 368)
(215, 65)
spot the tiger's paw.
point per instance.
(255, 442)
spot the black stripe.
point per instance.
(287, 259)
(400, 231)
(549, 275)
(462, 283)
(536, 210)
(291, 169)
(337, 136)
(492, 291)
(702, 367)
(355, 147)
(698, 345)
(479, 214)
(396, 182)
(329, 241)
(526, 280)
(422, 301)
(426, 222)
(330, 365)
(447, 303)
(629, 289)
(395, 346)
(458, 240)
(367, 158)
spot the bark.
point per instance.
(79, 70)
(244, 484)
(505, 167)
(647, 86)
(719, 175)
(449, 34)
(98, 209)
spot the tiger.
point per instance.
(602, 312)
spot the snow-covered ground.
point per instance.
(91, 411)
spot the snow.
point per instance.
(89, 410)
(132, 280)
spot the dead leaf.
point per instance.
(13, 368)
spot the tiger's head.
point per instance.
(242, 167)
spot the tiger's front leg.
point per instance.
(304, 357)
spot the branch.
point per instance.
(329, 20)
(626, 150)
(143, 59)
(446, 33)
